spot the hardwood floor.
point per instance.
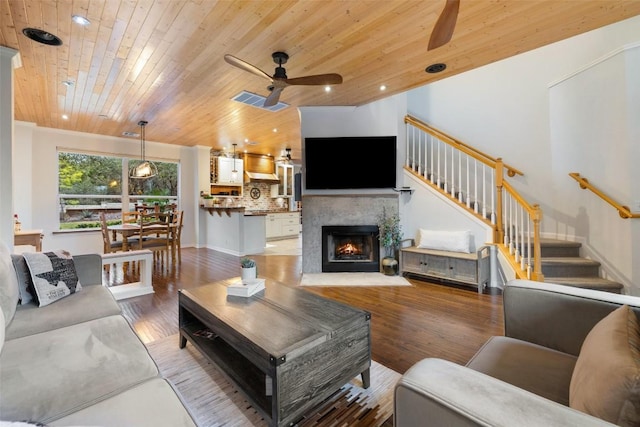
(407, 323)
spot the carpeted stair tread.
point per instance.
(598, 283)
(569, 261)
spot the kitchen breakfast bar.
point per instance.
(234, 231)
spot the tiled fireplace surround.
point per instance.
(337, 210)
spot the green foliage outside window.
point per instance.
(100, 179)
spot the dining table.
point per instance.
(128, 230)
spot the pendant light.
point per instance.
(145, 169)
(234, 172)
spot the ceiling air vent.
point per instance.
(257, 101)
(130, 134)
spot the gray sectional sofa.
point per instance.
(77, 361)
(568, 357)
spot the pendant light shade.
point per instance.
(145, 169)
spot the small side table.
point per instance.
(29, 237)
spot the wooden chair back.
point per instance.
(108, 246)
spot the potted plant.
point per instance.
(207, 200)
(390, 236)
(248, 270)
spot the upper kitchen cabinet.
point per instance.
(226, 176)
(228, 171)
(284, 188)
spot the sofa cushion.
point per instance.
(9, 291)
(94, 302)
(532, 367)
(606, 379)
(25, 284)
(152, 403)
(453, 241)
(53, 275)
(53, 374)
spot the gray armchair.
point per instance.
(524, 377)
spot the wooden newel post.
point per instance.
(499, 231)
(536, 217)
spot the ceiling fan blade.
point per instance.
(273, 97)
(319, 79)
(236, 62)
(443, 30)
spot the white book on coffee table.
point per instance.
(250, 287)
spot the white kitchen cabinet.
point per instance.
(224, 171)
(282, 225)
(285, 187)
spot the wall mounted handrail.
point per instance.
(473, 152)
(476, 182)
(623, 211)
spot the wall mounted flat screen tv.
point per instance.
(336, 163)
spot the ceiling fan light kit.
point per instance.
(279, 80)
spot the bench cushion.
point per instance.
(531, 367)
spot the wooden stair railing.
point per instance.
(623, 211)
(476, 182)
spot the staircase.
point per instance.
(477, 183)
(562, 264)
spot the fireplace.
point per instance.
(350, 248)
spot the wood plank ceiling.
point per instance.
(162, 60)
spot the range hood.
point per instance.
(270, 178)
(259, 168)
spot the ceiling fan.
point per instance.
(285, 156)
(279, 80)
(446, 23)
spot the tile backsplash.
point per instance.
(264, 202)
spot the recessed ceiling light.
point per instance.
(383, 87)
(81, 20)
(275, 129)
(436, 68)
(103, 116)
(246, 140)
(68, 83)
(65, 117)
(327, 88)
(42, 36)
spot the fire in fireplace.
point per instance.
(350, 248)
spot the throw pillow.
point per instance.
(24, 278)
(606, 379)
(453, 241)
(53, 274)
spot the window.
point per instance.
(89, 184)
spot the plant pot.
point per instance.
(248, 274)
(389, 266)
(207, 203)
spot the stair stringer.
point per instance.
(429, 208)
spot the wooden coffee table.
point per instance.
(284, 348)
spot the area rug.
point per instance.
(352, 279)
(215, 402)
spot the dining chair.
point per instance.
(155, 235)
(177, 234)
(130, 217)
(108, 245)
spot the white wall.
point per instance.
(36, 194)
(520, 110)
